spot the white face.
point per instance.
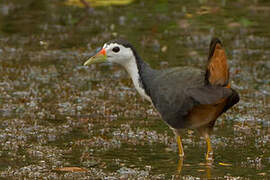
(117, 53)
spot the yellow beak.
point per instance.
(98, 58)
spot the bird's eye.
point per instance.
(116, 49)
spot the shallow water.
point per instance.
(56, 113)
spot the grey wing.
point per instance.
(177, 91)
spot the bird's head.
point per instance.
(117, 51)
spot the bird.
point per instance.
(186, 97)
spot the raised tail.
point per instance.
(217, 71)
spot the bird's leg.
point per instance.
(180, 147)
(179, 143)
(209, 154)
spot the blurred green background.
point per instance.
(55, 113)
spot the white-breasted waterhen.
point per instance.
(185, 97)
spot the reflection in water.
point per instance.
(208, 167)
(180, 165)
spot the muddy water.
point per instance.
(55, 113)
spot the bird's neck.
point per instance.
(138, 70)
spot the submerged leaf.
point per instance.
(71, 169)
